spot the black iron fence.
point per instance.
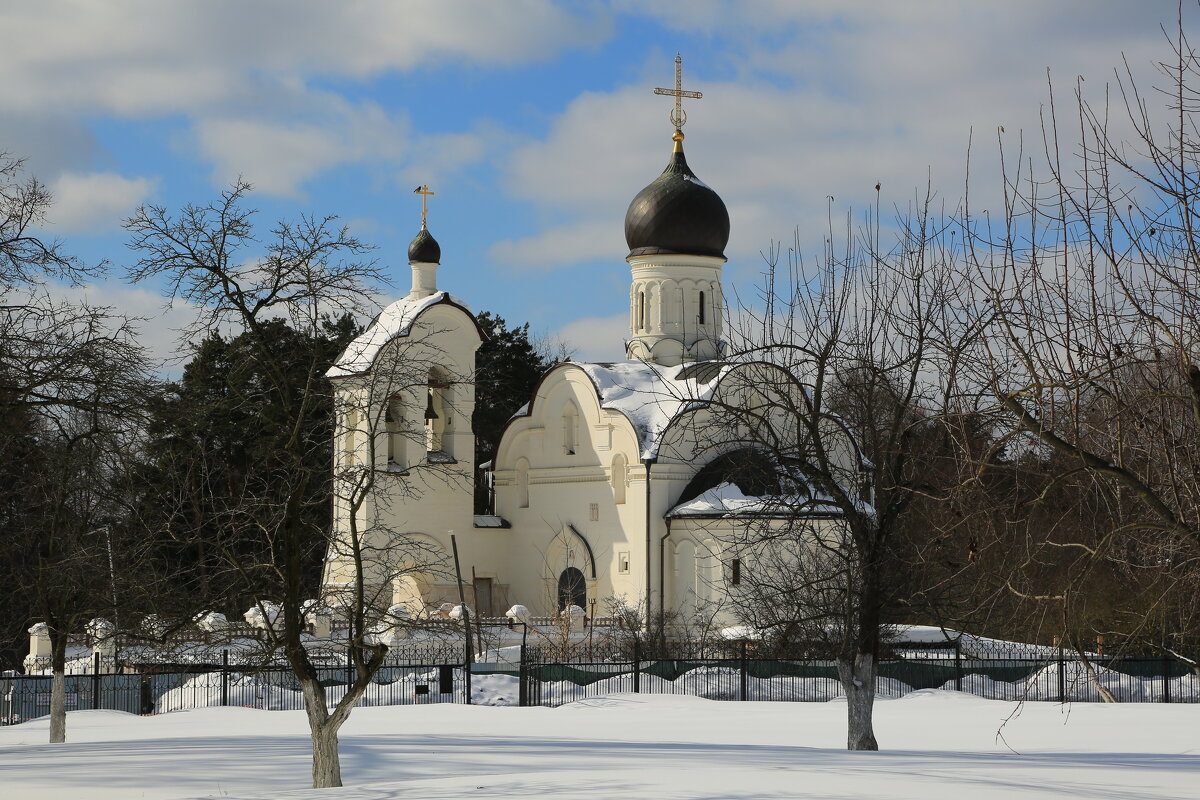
(403, 681)
(725, 673)
(555, 676)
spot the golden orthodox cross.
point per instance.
(425, 192)
(678, 117)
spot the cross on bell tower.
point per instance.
(425, 193)
(678, 115)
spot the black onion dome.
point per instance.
(424, 249)
(677, 213)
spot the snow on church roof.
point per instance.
(727, 500)
(651, 396)
(395, 320)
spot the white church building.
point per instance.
(616, 484)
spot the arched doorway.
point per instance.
(572, 589)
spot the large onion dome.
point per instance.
(424, 249)
(677, 214)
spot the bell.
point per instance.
(430, 414)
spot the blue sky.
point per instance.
(534, 122)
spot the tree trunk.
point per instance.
(326, 762)
(323, 728)
(858, 679)
(58, 691)
(1094, 677)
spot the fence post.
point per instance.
(468, 661)
(225, 677)
(1166, 675)
(958, 671)
(1062, 673)
(744, 667)
(637, 666)
(522, 679)
(96, 679)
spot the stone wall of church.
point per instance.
(569, 481)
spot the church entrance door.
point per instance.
(572, 589)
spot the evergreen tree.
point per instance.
(215, 439)
(508, 367)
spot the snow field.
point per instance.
(936, 745)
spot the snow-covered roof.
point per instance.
(394, 321)
(727, 500)
(969, 644)
(651, 396)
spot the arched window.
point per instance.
(438, 405)
(702, 308)
(618, 478)
(522, 483)
(641, 311)
(572, 589)
(394, 422)
(570, 429)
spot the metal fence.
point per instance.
(554, 676)
(270, 687)
(1036, 674)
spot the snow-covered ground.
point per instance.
(936, 744)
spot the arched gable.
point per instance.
(558, 386)
(396, 321)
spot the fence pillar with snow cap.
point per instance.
(322, 625)
(212, 622)
(576, 617)
(102, 635)
(263, 615)
(393, 628)
(319, 617)
(519, 613)
(39, 646)
(153, 625)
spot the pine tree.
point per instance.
(508, 367)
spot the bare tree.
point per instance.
(843, 402)
(27, 258)
(304, 274)
(1093, 352)
(69, 547)
(72, 381)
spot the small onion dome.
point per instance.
(424, 249)
(677, 213)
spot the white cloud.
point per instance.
(595, 338)
(160, 323)
(148, 57)
(839, 97)
(278, 156)
(94, 201)
(244, 74)
(593, 239)
(434, 158)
